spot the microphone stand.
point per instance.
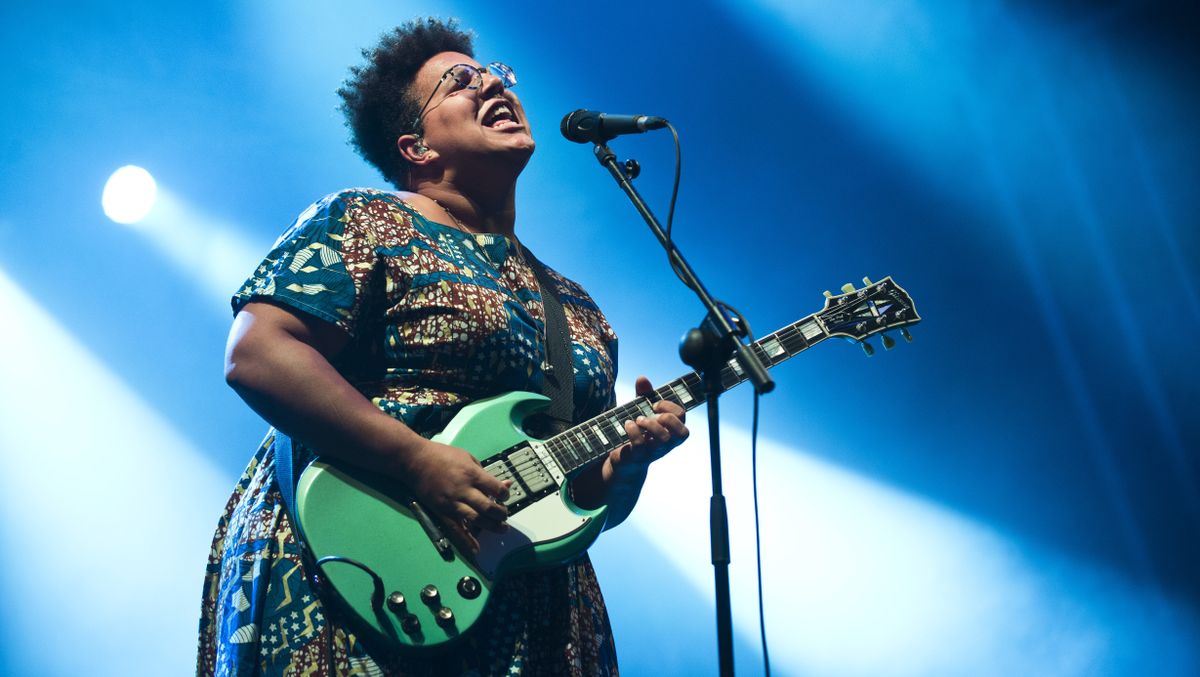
(708, 350)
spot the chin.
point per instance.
(524, 143)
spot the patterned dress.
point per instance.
(437, 318)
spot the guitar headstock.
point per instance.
(857, 314)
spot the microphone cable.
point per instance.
(745, 327)
(762, 620)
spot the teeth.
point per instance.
(498, 111)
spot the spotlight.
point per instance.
(129, 194)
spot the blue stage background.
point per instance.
(1015, 492)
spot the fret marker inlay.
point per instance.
(810, 330)
(684, 395)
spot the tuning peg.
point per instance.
(888, 342)
(867, 281)
(867, 348)
(848, 288)
(828, 294)
(907, 336)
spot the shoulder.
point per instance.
(361, 211)
(369, 201)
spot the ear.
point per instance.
(413, 148)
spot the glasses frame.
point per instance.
(508, 80)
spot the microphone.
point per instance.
(589, 126)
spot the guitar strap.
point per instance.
(285, 474)
(558, 382)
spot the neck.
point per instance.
(477, 211)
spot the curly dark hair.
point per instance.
(376, 99)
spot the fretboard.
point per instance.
(587, 441)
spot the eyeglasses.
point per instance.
(465, 76)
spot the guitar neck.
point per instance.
(588, 441)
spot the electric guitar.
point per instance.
(402, 584)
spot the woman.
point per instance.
(375, 318)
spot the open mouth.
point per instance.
(500, 116)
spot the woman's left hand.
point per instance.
(650, 437)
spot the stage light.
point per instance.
(129, 194)
(104, 484)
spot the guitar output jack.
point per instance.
(469, 587)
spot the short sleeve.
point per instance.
(322, 266)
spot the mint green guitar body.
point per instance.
(345, 512)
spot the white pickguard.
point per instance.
(546, 520)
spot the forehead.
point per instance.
(436, 66)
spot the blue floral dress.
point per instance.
(437, 318)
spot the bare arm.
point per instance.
(278, 361)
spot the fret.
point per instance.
(628, 413)
(695, 385)
(643, 407)
(578, 458)
(568, 451)
(584, 443)
(663, 394)
(731, 375)
(554, 446)
(579, 451)
(618, 430)
(792, 341)
(683, 396)
(773, 349)
(600, 434)
(615, 424)
(759, 353)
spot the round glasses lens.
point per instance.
(507, 77)
(462, 76)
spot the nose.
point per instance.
(491, 85)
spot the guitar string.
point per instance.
(790, 339)
(563, 447)
(563, 444)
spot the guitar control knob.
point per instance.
(469, 587)
(396, 602)
(445, 617)
(430, 594)
(410, 624)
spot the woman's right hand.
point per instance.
(451, 483)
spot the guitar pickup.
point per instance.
(502, 471)
(529, 477)
(529, 470)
